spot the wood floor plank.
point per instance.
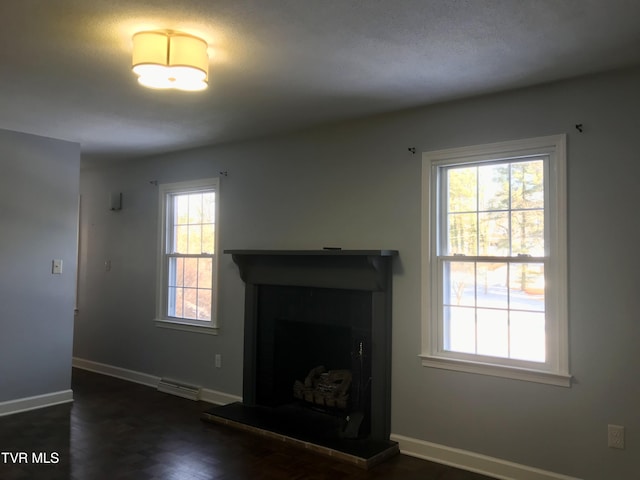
(118, 430)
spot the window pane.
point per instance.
(191, 272)
(493, 233)
(463, 233)
(190, 303)
(208, 238)
(180, 239)
(176, 272)
(460, 329)
(527, 184)
(205, 269)
(209, 207)
(493, 332)
(462, 189)
(195, 239)
(528, 336)
(527, 229)
(180, 209)
(526, 286)
(175, 302)
(459, 283)
(204, 304)
(491, 284)
(195, 208)
(493, 184)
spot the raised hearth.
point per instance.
(310, 309)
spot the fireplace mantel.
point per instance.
(349, 290)
(327, 268)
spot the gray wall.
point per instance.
(355, 185)
(39, 184)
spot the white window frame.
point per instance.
(555, 370)
(166, 193)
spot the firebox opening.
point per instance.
(301, 347)
(313, 353)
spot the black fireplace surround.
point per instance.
(310, 308)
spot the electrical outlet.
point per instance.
(218, 360)
(615, 436)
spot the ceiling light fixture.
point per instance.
(170, 60)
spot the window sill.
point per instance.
(186, 327)
(550, 378)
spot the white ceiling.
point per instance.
(278, 65)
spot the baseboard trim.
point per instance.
(118, 372)
(206, 395)
(38, 401)
(218, 398)
(473, 462)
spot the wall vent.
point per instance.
(179, 389)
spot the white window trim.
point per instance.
(556, 370)
(161, 319)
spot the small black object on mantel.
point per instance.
(332, 248)
(115, 201)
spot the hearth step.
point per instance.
(364, 453)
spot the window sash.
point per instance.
(171, 240)
(480, 309)
(441, 213)
(180, 292)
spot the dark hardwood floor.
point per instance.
(120, 430)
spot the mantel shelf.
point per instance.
(327, 252)
(348, 269)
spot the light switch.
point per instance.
(56, 267)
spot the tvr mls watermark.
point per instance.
(30, 457)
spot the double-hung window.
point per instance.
(187, 260)
(494, 260)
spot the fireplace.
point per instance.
(317, 350)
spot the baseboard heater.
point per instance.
(191, 392)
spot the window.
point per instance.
(494, 260)
(187, 262)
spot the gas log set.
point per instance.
(324, 389)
